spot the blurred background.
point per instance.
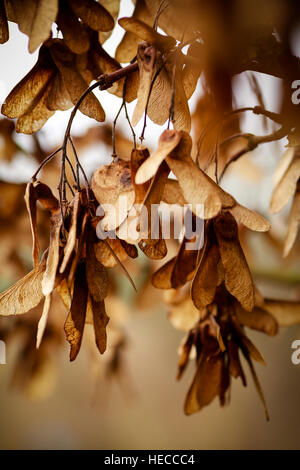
(130, 399)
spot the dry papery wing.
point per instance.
(285, 312)
(127, 48)
(175, 18)
(34, 18)
(155, 93)
(249, 219)
(204, 195)
(149, 222)
(4, 33)
(26, 293)
(38, 192)
(75, 321)
(75, 84)
(146, 58)
(49, 278)
(173, 193)
(72, 235)
(186, 349)
(167, 142)
(35, 118)
(100, 321)
(258, 319)
(181, 117)
(184, 315)
(104, 255)
(137, 158)
(287, 185)
(146, 33)
(113, 7)
(293, 224)
(28, 94)
(238, 280)
(206, 278)
(93, 14)
(235, 366)
(58, 97)
(185, 264)
(30, 199)
(249, 350)
(75, 34)
(43, 320)
(207, 383)
(161, 279)
(96, 274)
(244, 342)
(97, 280)
(192, 69)
(9, 146)
(97, 62)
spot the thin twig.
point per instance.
(47, 159)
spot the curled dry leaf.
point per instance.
(238, 278)
(25, 294)
(113, 190)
